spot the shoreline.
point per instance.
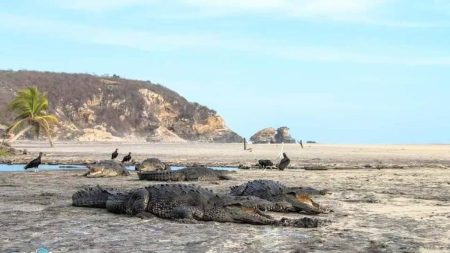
(328, 156)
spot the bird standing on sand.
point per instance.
(284, 162)
(127, 158)
(34, 163)
(263, 163)
(114, 154)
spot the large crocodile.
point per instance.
(198, 173)
(152, 164)
(295, 199)
(108, 168)
(186, 203)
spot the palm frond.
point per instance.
(31, 105)
(51, 119)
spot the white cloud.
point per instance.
(293, 8)
(151, 42)
(355, 11)
(406, 24)
(98, 5)
(141, 40)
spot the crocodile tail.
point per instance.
(163, 176)
(91, 197)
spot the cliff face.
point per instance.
(93, 108)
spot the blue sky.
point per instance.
(335, 71)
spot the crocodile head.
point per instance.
(302, 202)
(106, 168)
(101, 172)
(241, 213)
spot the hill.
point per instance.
(101, 108)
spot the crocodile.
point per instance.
(107, 168)
(152, 164)
(187, 203)
(197, 173)
(290, 199)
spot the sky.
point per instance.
(333, 71)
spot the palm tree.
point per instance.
(31, 105)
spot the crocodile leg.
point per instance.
(145, 215)
(117, 203)
(305, 222)
(138, 202)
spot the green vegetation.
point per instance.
(3, 152)
(124, 107)
(31, 107)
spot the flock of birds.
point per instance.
(34, 164)
(125, 159)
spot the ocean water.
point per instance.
(42, 167)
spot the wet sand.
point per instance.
(375, 210)
(333, 156)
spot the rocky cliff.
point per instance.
(270, 135)
(94, 108)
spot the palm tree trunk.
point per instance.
(51, 141)
(16, 136)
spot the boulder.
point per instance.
(267, 135)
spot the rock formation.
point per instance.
(270, 135)
(266, 135)
(283, 136)
(94, 108)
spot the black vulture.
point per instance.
(34, 163)
(263, 163)
(284, 162)
(126, 158)
(114, 154)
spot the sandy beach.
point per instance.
(401, 208)
(333, 156)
